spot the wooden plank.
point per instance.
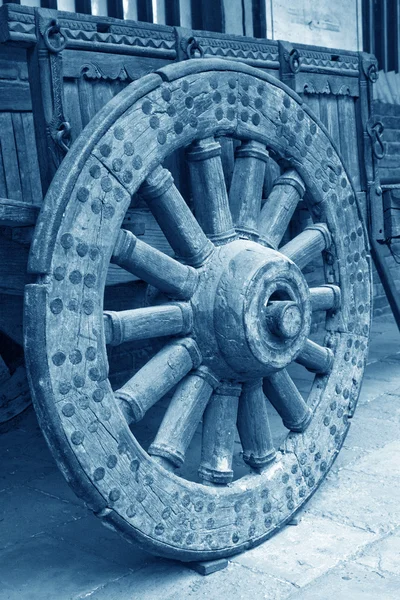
(86, 99)
(348, 138)
(72, 107)
(312, 101)
(15, 96)
(13, 267)
(17, 214)
(329, 115)
(10, 159)
(103, 93)
(33, 163)
(3, 186)
(23, 157)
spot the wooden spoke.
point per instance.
(316, 358)
(156, 268)
(227, 158)
(143, 323)
(306, 246)
(287, 401)
(159, 375)
(175, 218)
(247, 186)
(325, 297)
(183, 416)
(210, 198)
(219, 429)
(253, 426)
(279, 208)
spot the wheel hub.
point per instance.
(251, 311)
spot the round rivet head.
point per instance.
(77, 438)
(67, 241)
(56, 306)
(99, 474)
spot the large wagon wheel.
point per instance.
(238, 314)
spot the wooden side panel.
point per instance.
(10, 157)
(389, 165)
(348, 138)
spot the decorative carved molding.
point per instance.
(106, 72)
(250, 50)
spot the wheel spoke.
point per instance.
(306, 246)
(156, 268)
(227, 159)
(145, 323)
(316, 358)
(253, 426)
(175, 218)
(219, 430)
(287, 401)
(209, 190)
(183, 416)
(247, 186)
(325, 297)
(279, 208)
(159, 375)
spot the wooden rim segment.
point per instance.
(77, 235)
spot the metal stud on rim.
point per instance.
(239, 309)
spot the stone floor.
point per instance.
(345, 546)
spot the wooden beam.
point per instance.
(17, 214)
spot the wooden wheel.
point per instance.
(237, 310)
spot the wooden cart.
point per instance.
(166, 275)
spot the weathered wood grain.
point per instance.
(144, 389)
(183, 416)
(219, 431)
(253, 426)
(287, 401)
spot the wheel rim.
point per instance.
(78, 234)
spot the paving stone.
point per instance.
(383, 463)
(347, 456)
(171, 581)
(54, 484)
(383, 370)
(367, 433)
(25, 512)
(383, 555)
(92, 536)
(359, 500)
(352, 582)
(43, 568)
(386, 406)
(373, 388)
(316, 545)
